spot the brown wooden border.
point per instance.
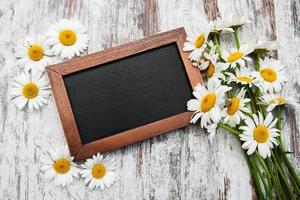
(56, 73)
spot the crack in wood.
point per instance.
(224, 194)
(295, 7)
(291, 118)
(69, 7)
(150, 22)
(268, 8)
(211, 9)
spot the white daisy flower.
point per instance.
(208, 102)
(222, 26)
(34, 54)
(228, 23)
(208, 58)
(233, 112)
(271, 75)
(99, 172)
(243, 76)
(59, 166)
(265, 46)
(237, 56)
(259, 133)
(197, 43)
(209, 63)
(215, 71)
(30, 89)
(273, 100)
(68, 38)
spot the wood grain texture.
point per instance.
(65, 111)
(179, 165)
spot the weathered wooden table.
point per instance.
(177, 165)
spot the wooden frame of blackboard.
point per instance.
(58, 71)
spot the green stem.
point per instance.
(262, 178)
(267, 172)
(276, 180)
(259, 106)
(230, 129)
(289, 189)
(248, 114)
(236, 38)
(255, 179)
(262, 109)
(291, 170)
(217, 43)
(282, 175)
(279, 123)
(282, 150)
(252, 102)
(257, 62)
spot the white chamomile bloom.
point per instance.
(243, 76)
(209, 63)
(237, 56)
(99, 172)
(265, 46)
(215, 71)
(30, 89)
(60, 167)
(208, 58)
(34, 54)
(222, 26)
(229, 23)
(259, 133)
(197, 43)
(68, 38)
(233, 112)
(236, 21)
(271, 75)
(272, 100)
(208, 103)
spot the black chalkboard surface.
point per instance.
(125, 94)
(128, 93)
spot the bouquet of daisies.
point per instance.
(242, 96)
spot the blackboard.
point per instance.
(125, 94)
(128, 93)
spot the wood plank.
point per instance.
(288, 36)
(180, 165)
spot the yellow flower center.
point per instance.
(200, 40)
(281, 100)
(246, 79)
(211, 70)
(268, 74)
(233, 106)
(272, 101)
(35, 52)
(235, 56)
(62, 166)
(208, 102)
(261, 134)
(99, 170)
(30, 90)
(67, 37)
